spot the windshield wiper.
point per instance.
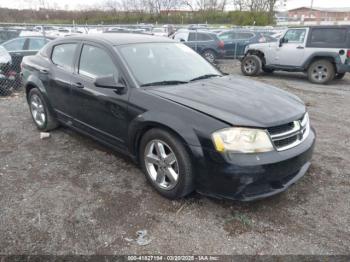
(204, 77)
(164, 83)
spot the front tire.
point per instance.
(41, 114)
(166, 163)
(321, 72)
(251, 65)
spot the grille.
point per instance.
(291, 134)
(285, 142)
(280, 129)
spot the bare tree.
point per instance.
(211, 4)
(240, 4)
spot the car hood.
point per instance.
(236, 100)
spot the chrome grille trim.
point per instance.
(299, 131)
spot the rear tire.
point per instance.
(41, 114)
(339, 76)
(251, 65)
(210, 56)
(321, 72)
(166, 164)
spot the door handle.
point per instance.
(78, 85)
(300, 47)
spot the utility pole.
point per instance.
(312, 4)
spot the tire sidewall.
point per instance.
(185, 182)
(330, 72)
(36, 91)
(257, 68)
(211, 53)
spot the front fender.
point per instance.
(164, 120)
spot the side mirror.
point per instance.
(110, 82)
(182, 40)
(283, 40)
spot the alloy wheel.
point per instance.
(37, 109)
(249, 66)
(209, 56)
(320, 73)
(161, 164)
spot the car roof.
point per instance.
(204, 31)
(321, 26)
(121, 39)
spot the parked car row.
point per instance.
(16, 49)
(227, 44)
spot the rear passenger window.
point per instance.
(226, 36)
(95, 62)
(329, 37)
(36, 43)
(63, 55)
(244, 36)
(15, 45)
(199, 37)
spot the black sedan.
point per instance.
(188, 126)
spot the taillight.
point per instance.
(221, 44)
(348, 54)
(11, 75)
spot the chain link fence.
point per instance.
(10, 78)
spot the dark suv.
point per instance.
(235, 41)
(323, 52)
(203, 42)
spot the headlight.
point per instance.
(242, 140)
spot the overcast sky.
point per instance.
(79, 4)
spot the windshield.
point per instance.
(165, 62)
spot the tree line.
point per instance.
(247, 12)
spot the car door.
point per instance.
(102, 112)
(59, 79)
(229, 44)
(291, 51)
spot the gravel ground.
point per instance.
(69, 195)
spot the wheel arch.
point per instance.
(142, 129)
(334, 58)
(258, 53)
(35, 83)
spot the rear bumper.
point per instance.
(248, 177)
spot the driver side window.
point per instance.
(95, 62)
(295, 35)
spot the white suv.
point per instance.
(323, 52)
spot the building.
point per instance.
(319, 14)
